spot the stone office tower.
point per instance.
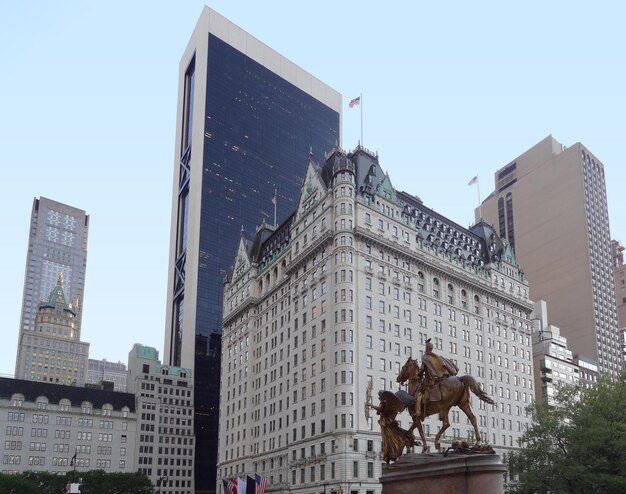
(340, 294)
(245, 114)
(550, 204)
(53, 352)
(57, 247)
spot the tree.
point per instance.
(92, 482)
(99, 482)
(576, 444)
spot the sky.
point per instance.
(450, 90)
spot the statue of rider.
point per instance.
(433, 369)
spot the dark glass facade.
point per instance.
(259, 130)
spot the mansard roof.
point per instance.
(31, 390)
(476, 246)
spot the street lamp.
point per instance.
(161, 481)
(349, 484)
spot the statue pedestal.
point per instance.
(436, 474)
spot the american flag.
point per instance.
(355, 101)
(231, 486)
(261, 483)
(473, 181)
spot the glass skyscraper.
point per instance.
(247, 121)
(57, 246)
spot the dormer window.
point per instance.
(64, 405)
(42, 403)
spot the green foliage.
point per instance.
(99, 482)
(575, 445)
(92, 482)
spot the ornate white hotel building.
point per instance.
(341, 294)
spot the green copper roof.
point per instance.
(386, 189)
(173, 370)
(147, 352)
(56, 294)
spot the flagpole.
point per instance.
(361, 105)
(275, 201)
(480, 210)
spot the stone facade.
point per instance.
(165, 434)
(53, 352)
(340, 295)
(45, 426)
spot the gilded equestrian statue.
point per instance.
(436, 388)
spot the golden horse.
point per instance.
(455, 391)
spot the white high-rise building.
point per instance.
(340, 295)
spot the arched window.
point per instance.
(450, 293)
(436, 287)
(64, 405)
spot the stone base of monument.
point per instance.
(438, 474)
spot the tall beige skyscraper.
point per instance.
(49, 346)
(550, 204)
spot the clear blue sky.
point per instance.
(450, 90)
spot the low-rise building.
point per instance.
(57, 428)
